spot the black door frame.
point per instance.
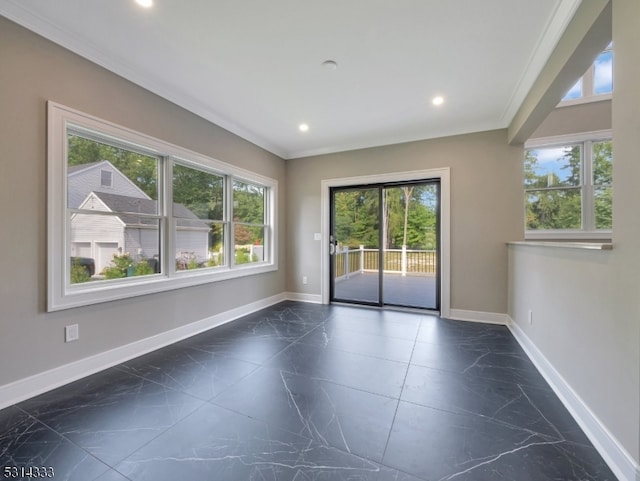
(381, 187)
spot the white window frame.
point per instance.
(588, 230)
(61, 294)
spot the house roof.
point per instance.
(74, 169)
(132, 205)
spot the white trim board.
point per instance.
(619, 460)
(29, 387)
(442, 174)
(303, 297)
(479, 316)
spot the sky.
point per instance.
(603, 78)
(551, 161)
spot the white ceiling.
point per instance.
(255, 67)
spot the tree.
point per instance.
(406, 190)
(553, 202)
(602, 181)
(200, 192)
(141, 169)
(408, 216)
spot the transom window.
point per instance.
(568, 187)
(596, 83)
(132, 215)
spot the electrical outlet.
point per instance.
(317, 236)
(71, 333)
(530, 316)
(304, 279)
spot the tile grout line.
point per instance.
(393, 422)
(72, 442)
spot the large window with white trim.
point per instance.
(167, 217)
(568, 187)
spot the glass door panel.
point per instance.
(355, 256)
(410, 240)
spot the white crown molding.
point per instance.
(26, 18)
(387, 140)
(23, 15)
(547, 42)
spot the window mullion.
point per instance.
(169, 236)
(231, 235)
(588, 83)
(587, 187)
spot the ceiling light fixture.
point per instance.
(303, 127)
(330, 64)
(437, 100)
(145, 3)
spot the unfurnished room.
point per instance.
(338, 240)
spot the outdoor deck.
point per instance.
(409, 291)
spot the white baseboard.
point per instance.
(300, 296)
(619, 460)
(29, 387)
(479, 316)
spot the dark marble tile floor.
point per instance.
(303, 392)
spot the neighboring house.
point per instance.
(100, 186)
(99, 176)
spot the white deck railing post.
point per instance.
(361, 258)
(404, 260)
(346, 262)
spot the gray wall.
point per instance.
(588, 117)
(585, 303)
(486, 209)
(33, 71)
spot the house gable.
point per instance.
(86, 178)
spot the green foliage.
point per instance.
(242, 256)
(356, 217)
(602, 180)
(554, 204)
(245, 234)
(187, 261)
(248, 203)
(141, 169)
(216, 260)
(79, 273)
(142, 268)
(125, 266)
(200, 192)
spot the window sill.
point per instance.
(601, 246)
(585, 100)
(84, 294)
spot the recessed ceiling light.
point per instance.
(145, 3)
(303, 127)
(437, 100)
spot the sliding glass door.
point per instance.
(384, 244)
